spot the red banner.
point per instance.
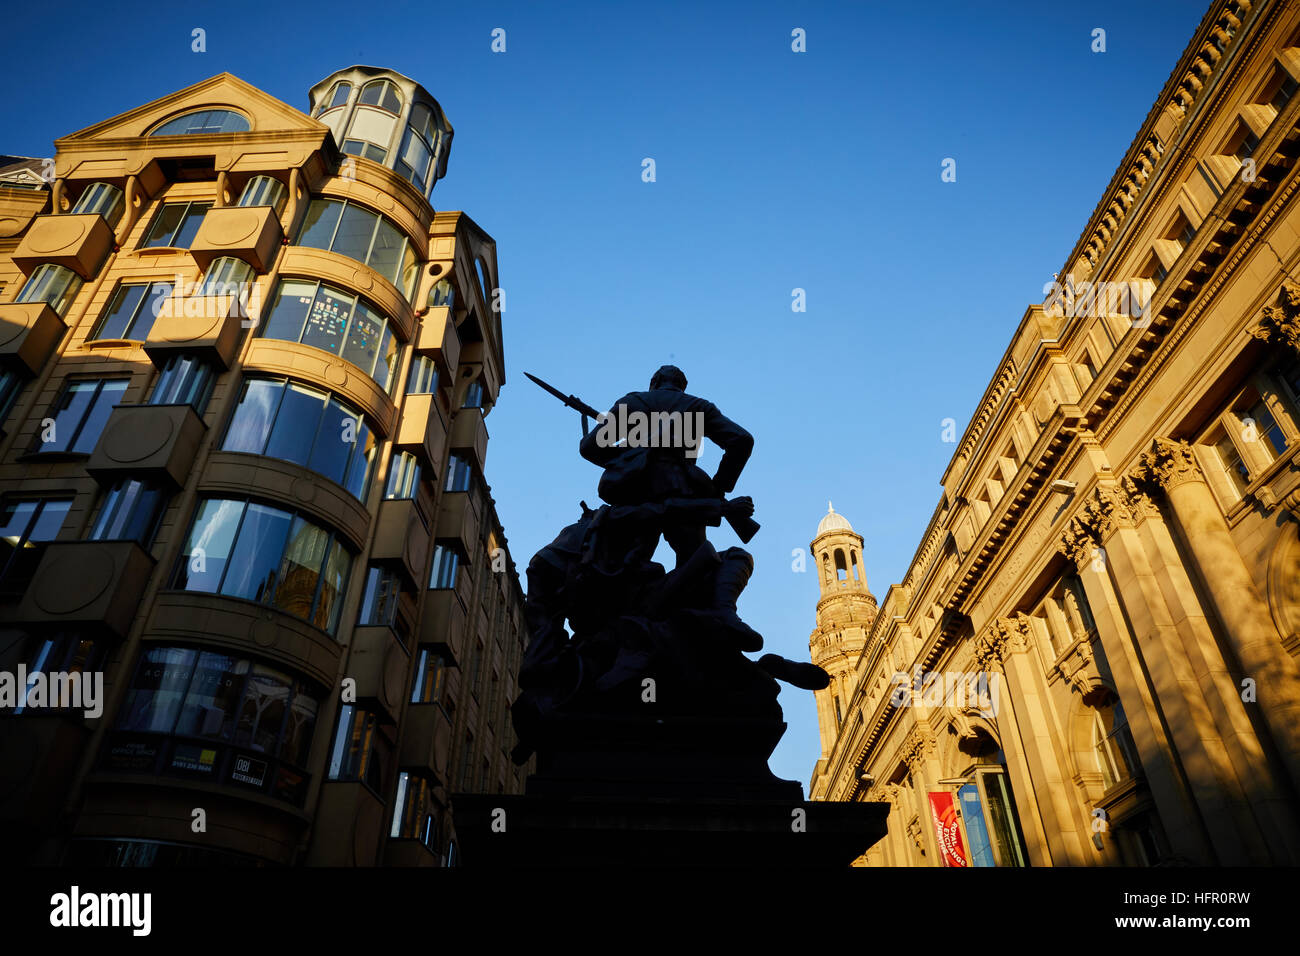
(947, 828)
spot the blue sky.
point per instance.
(775, 170)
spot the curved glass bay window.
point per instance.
(203, 121)
(361, 748)
(261, 553)
(292, 422)
(103, 199)
(230, 277)
(442, 293)
(184, 380)
(338, 322)
(56, 286)
(419, 146)
(354, 231)
(218, 717)
(264, 191)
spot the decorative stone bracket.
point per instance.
(1279, 324)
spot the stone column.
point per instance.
(1036, 738)
(1151, 674)
(1247, 623)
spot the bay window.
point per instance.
(265, 554)
(306, 426)
(337, 322)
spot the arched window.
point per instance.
(383, 94)
(338, 96)
(203, 121)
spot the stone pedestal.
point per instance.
(681, 792)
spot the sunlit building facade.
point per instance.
(245, 368)
(1098, 635)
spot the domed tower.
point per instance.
(386, 117)
(845, 612)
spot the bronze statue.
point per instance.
(642, 634)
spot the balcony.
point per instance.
(458, 521)
(82, 583)
(426, 739)
(81, 243)
(422, 429)
(207, 326)
(154, 441)
(436, 337)
(353, 815)
(442, 626)
(469, 435)
(402, 539)
(29, 334)
(251, 233)
(378, 663)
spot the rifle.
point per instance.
(744, 527)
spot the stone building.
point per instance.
(244, 372)
(1098, 632)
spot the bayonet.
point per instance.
(572, 401)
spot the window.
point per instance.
(1113, 743)
(56, 286)
(413, 817)
(382, 93)
(442, 294)
(228, 277)
(184, 380)
(62, 654)
(427, 686)
(1231, 463)
(219, 717)
(26, 525)
(101, 199)
(131, 311)
(359, 147)
(380, 604)
(1242, 143)
(1246, 440)
(338, 96)
(1280, 88)
(268, 555)
(264, 191)
(129, 512)
(1181, 231)
(80, 415)
(459, 474)
(403, 476)
(338, 322)
(419, 147)
(292, 422)
(356, 232)
(10, 385)
(175, 225)
(473, 396)
(423, 379)
(203, 121)
(360, 748)
(445, 562)
(1259, 425)
(1154, 269)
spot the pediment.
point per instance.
(265, 113)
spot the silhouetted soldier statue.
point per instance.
(648, 443)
